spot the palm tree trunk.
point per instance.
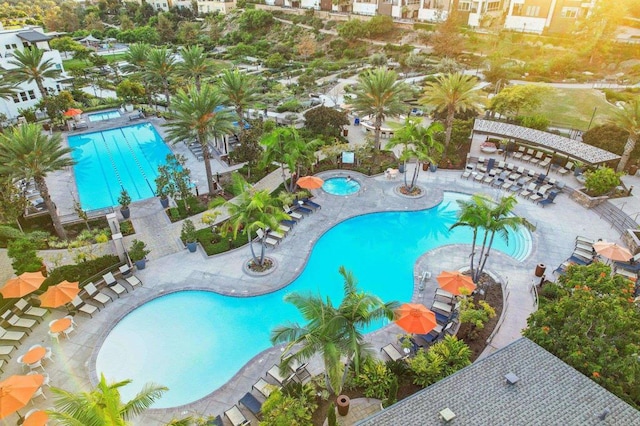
(416, 172)
(378, 125)
(240, 114)
(148, 93)
(404, 175)
(167, 95)
(41, 88)
(626, 154)
(449, 127)
(473, 251)
(44, 191)
(207, 164)
(198, 83)
(253, 252)
(484, 245)
(486, 256)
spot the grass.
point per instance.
(573, 108)
(70, 64)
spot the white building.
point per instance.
(28, 94)
(538, 16)
(208, 6)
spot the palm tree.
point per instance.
(628, 119)
(137, 57)
(7, 87)
(452, 93)
(102, 406)
(195, 65)
(483, 213)
(28, 153)
(380, 95)
(200, 116)
(419, 143)
(240, 90)
(31, 67)
(160, 66)
(332, 331)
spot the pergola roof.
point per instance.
(575, 149)
(33, 36)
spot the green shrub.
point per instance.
(126, 228)
(442, 359)
(601, 181)
(213, 243)
(331, 415)
(392, 397)
(292, 105)
(82, 271)
(24, 257)
(281, 409)
(552, 291)
(374, 378)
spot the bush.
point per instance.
(214, 243)
(24, 257)
(292, 105)
(442, 359)
(138, 250)
(82, 271)
(601, 181)
(282, 409)
(374, 378)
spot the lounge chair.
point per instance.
(125, 270)
(94, 294)
(566, 169)
(291, 213)
(538, 158)
(29, 311)
(236, 417)
(284, 229)
(585, 239)
(393, 353)
(311, 204)
(632, 265)
(6, 351)
(113, 284)
(15, 321)
(525, 193)
(274, 372)
(83, 307)
(264, 388)
(433, 335)
(288, 223)
(133, 281)
(549, 200)
(520, 153)
(252, 404)
(275, 234)
(444, 296)
(300, 208)
(11, 336)
(267, 240)
(544, 163)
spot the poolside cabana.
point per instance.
(557, 144)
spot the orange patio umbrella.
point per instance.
(16, 392)
(415, 318)
(454, 282)
(612, 251)
(25, 283)
(60, 294)
(310, 182)
(72, 112)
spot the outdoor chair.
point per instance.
(94, 294)
(444, 296)
(291, 213)
(22, 307)
(528, 155)
(300, 208)
(529, 190)
(393, 353)
(11, 336)
(538, 158)
(519, 153)
(252, 404)
(125, 270)
(133, 281)
(544, 163)
(310, 204)
(85, 308)
(236, 417)
(113, 284)
(566, 169)
(15, 321)
(264, 388)
(549, 199)
(274, 372)
(6, 351)
(267, 240)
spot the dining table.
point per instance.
(37, 418)
(34, 355)
(60, 325)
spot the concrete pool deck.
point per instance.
(174, 269)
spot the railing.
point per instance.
(73, 218)
(616, 217)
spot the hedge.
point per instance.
(81, 271)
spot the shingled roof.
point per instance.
(548, 392)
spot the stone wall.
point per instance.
(586, 201)
(631, 240)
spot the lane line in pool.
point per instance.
(113, 163)
(135, 158)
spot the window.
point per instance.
(10, 46)
(32, 94)
(517, 10)
(532, 11)
(24, 97)
(465, 6)
(15, 99)
(570, 12)
(413, 2)
(493, 5)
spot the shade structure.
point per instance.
(415, 318)
(454, 282)
(16, 392)
(310, 182)
(58, 295)
(25, 283)
(72, 112)
(37, 418)
(612, 251)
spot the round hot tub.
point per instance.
(341, 186)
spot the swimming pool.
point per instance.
(341, 186)
(124, 157)
(194, 341)
(104, 115)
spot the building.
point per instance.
(28, 94)
(520, 384)
(542, 16)
(208, 6)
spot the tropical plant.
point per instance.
(174, 180)
(380, 95)
(31, 67)
(102, 405)
(8, 88)
(13, 201)
(285, 409)
(601, 181)
(195, 65)
(419, 143)
(334, 332)
(481, 213)
(375, 378)
(628, 119)
(138, 250)
(26, 152)
(136, 61)
(241, 92)
(24, 256)
(475, 315)
(199, 116)
(124, 199)
(452, 93)
(442, 359)
(392, 395)
(325, 121)
(159, 68)
(188, 233)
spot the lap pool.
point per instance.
(193, 342)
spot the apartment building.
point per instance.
(208, 6)
(546, 16)
(28, 94)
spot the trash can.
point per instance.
(345, 132)
(356, 122)
(343, 404)
(540, 268)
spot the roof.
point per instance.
(33, 36)
(548, 392)
(573, 148)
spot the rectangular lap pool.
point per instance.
(104, 115)
(107, 161)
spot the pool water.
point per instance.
(193, 342)
(341, 186)
(104, 115)
(124, 157)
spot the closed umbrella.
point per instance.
(25, 283)
(612, 251)
(310, 182)
(17, 391)
(454, 282)
(415, 318)
(59, 295)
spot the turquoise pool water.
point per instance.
(194, 341)
(104, 115)
(124, 157)
(341, 186)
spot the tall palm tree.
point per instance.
(452, 93)
(28, 153)
(419, 143)
(31, 67)
(160, 67)
(137, 57)
(483, 213)
(200, 116)
(7, 87)
(102, 406)
(241, 90)
(332, 331)
(195, 65)
(628, 119)
(380, 95)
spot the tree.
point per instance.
(419, 143)
(175, 179)
(13, 202)
(589, 320)
(481, 213)
(452, 93)
(608, 137)
(241, 91)
(513, 100)
(597, 31)
(159, 68)
(130, 91)
(92, 22)
(165, 29)
(195, 65)
(352, 30)
(188, 32)
(8, 88)
(325, 121)
(334, 332)
(65, 44)
(102, 405)
(380, 95)
(32, 67)
(137, 57)
(446, 40)
(628, 119)
(28, 153)
(24, 257)
(199, 116)
(56, 105)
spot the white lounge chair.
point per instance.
(85, 308)
(134, 281)
(6, 351)
(15, 321)
(392, 352)
(113, 284)
(11, 336)
(236, 417)
(294, 215)
(29, 311)
(274, 372)
(268, 240)
(264, 388)
(96, 295)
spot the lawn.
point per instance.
(573, 108)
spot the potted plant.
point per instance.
(577, 168)
(162, 186)
(124, 201)
(138, 253)
(188, 235)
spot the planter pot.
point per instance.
(585, 200)
(164, 202)
(401, 168)
(633, 169)
(141, 264)
(425, 167)
(577, 171)
(433, 168)
(540, 269)
(192, 247)
(343, 404)
(125, 213)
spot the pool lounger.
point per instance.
(252, 404)
(311, 204)
(392, 352)
(264, 388)
(274, 372)
(134, 281)
(236, 417)
(113, 284)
